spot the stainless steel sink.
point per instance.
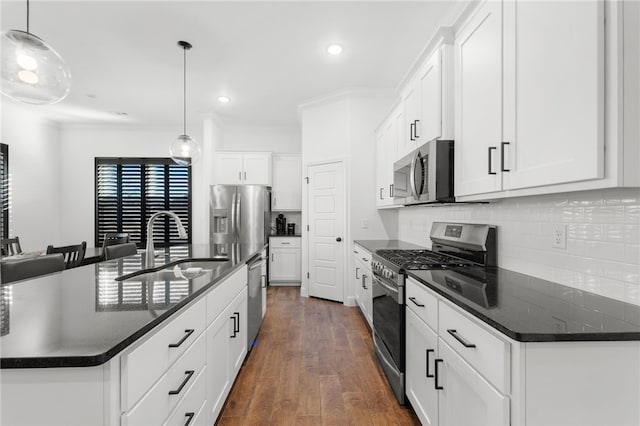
(176, 271)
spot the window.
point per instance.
(130, 190)
(4, 190)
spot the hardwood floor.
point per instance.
(313, 365)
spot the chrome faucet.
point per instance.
(182, 233)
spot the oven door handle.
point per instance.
(387, 286)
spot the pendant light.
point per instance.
(185, 150)
(32, 71)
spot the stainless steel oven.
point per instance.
(388, 320)
(425, 175)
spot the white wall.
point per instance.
(260, 138)
(34, 172)
(603, 229)
(82, 144)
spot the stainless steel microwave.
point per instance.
(425, 175)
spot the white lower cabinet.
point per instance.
(461, 371)
(420, 383)
(226, 349)
(363, 281)
(465, 397)
(285, 260)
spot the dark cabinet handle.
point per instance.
(411, 127)
(364, 281)
(456, 336)
(415, 129)
(188, 333)
(502, 145)
(338, 239)
(391, 191)
(435, 381)
(413, 299)
(427, 356)
(245, 175)
(236, 324)
(189, 373)
(240, 176)
(381, 189)
(491, 148)
(189, 417)
(357, 269)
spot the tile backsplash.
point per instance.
(602, 253)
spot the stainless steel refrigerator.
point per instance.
(240, 218)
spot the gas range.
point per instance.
(453, 246)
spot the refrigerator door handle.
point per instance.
(238, 217)
(234, 224)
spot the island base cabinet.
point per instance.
(226, 350)
(466, 398)
(191, 409)
(57, 396)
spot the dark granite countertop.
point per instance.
(83, 317)
(373, 245)
(530, 309)
(284, 235)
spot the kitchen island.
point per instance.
(84, 348)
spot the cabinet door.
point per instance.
(382, 163)
(422, 350)
(237, 333)
(367, 297)
(411, 101)
(467, 398)
(285, 265)
(287, 183)
(554, 92)
(430, 125)
(219, 378)
(478, 50)
(357, 282)
(257, 168)
(227, 168)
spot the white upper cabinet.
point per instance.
(388, 138)
(478, 103)
(529, 96)
(411, 101)
(287, 182)
(242, 168)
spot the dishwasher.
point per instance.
(254, 307)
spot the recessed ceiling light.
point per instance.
(334, 49)
(224, 99)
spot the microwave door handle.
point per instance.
(412, 175)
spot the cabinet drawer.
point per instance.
(284, 242)
(490, 355)
(191, 406)
(362, 254)
(421, 301)
(142, 367)
(223, 293)
(155, 406)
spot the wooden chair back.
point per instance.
(113, 238)
(22, 269)
(73, 255)
(10, 246)
(120, 250)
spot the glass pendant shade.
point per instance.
(185, 150)
(32, 71)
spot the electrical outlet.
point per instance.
(365, 223)
(559, 236)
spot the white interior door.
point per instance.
(326, 231)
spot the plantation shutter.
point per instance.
(130, 190)
(4, 191)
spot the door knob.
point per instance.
(338, 239)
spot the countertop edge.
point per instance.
(103, 358)
(532, 337)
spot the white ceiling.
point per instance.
(269, 57)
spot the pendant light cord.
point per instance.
(27, 16)
(184, 103)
